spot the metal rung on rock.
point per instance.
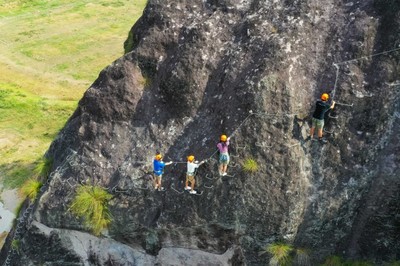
(344, 104)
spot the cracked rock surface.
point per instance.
(251, 69)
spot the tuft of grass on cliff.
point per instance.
(51, 51)
(91, 204)
(31, 189)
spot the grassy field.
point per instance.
(51, 51)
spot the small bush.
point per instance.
(31, 189)
(280, 253)
(91, 203)
(145, 81)
(15, 245)
(43, 167)
(250, 165)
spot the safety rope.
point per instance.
(337, 66)
(336, 80)
(255, 114)
(233, 133)
(369, 56)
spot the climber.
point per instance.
(321, 107)
(191, 168)
(223, 154)
(158, 170)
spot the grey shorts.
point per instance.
(318, 124)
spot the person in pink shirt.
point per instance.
(223, 154)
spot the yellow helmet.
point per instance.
(158, 157)
(324, 96)
(223, 138)
(190, 158)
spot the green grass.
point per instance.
(51, 51)
(43, 167)
(280, 253)
(31, 189)
(91, 204)
(145, 81)
(250, 165)
(27, 126)
(15, 244)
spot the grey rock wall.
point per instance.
(253, 70)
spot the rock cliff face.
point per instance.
(253, 70)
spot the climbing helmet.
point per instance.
(223, 138)
(190, 158)
(158, 157)
(324, 96)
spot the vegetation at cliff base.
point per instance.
(51, 51)
(31, 189)
(15, 244)
(43, 167)
(91, 204)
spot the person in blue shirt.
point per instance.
(158, 170)
(321, 107)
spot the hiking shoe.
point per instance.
(322, 140)
(161, 189)
(188, 188)
(224, 174)
(193, 192)
(308, 138)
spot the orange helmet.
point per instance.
(190, 158)
(324, 96)
(158, 157)
(223, 138)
